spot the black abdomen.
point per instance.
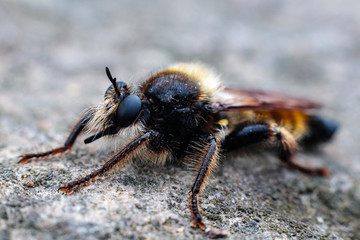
(320, 130)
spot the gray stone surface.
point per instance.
(53, 55)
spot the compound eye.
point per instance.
(128, 110)
(119, 84)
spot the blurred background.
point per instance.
(52, 60)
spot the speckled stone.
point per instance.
(53, 55)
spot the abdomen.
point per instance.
(296, 122)
(305, 128)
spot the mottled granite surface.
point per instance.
(53, 55)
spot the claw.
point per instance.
(22, 159)
(66, 190)
(213, 233)
(196, 224)
(324, 172)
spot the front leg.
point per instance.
(210, 159)
(75, 132)
(119, 160)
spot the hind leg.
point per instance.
(286, 152)
(256, 133)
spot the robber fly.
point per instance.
(184, 113)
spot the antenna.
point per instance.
(113, 81)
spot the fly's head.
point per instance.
(120, 109)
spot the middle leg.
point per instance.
(207, 165)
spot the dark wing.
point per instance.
(238, 99)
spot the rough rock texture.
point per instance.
(53, 55)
